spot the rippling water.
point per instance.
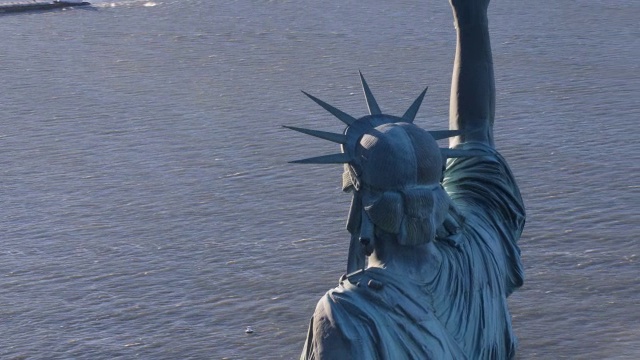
(148, 210)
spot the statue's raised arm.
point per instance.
(473, 93)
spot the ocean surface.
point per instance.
(147, 209)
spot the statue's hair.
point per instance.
(412, 214)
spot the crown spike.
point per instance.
(374, 109)
(455, 153)
(443, 134)
(336, 138)
(344, 117)
(340, 158)
(410, 114)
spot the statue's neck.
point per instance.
(417, 262)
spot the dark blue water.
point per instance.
(148, 209)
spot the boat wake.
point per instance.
(126, 3)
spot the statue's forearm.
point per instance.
(472, 103)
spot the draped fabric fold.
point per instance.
(459, 308)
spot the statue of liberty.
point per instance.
(433, 254)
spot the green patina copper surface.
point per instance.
(433, 254)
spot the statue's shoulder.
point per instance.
(360, 303)
(370, 290)
(358, 283)
(360, 289)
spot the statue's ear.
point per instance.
(350, 181)
(385, 211)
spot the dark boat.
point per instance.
(32, 6)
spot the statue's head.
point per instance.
(399, 170)
(394, 170)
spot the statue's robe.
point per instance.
(459, 310)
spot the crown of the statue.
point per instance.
(384, 151)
